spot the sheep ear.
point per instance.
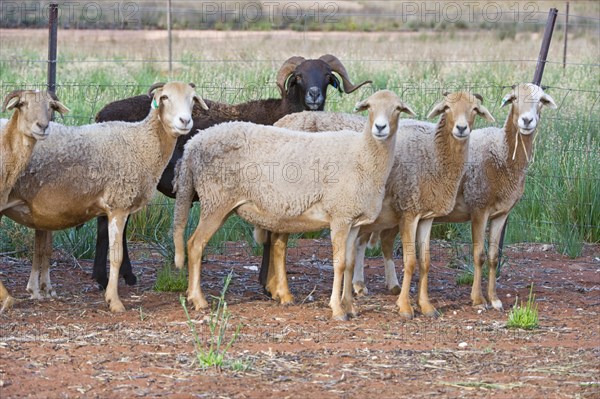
(548, 101)
(438, 109)
(484, 113)
(402, 107)
(509, 98)
(12, 103)
(362, 106)
(335, 82)
(59, 107)
(200, 102)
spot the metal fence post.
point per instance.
(52, 46)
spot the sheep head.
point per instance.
(527, 101)
(459, 111)
(384, 109)
(310, 79)
(174, 102)
(33, 110)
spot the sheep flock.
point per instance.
(392, 176)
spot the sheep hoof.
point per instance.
(8, 303)
(130, 279)
(199, 303)
(35, 295)
(481, 306)
(51, 294)
(395, 290)
(406, 315)
(340, 317)
(116, 306)
(286, 300)
(497, 304)
(360, 289)
(434, 314)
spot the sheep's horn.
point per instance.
(154, 87)
(336, 66)
(288, 67)
(478, 96)
(11, 95)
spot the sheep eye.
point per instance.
(163, 98)
(298, 78)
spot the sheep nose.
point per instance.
(184, 121)
(380, 127)
(41, 126)
(314, 93)
(527, 121)
(461, 129)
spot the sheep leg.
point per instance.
(6, 301)
(496, 229)
(408, 227)
(45, 284)
(478, 223)
(277, 283)
(266, 262)
(347, 300)
(358, 280)
(39, 254)
(207, 227)
(339, 237)
(423, 235)
(116, 225)
(99, 271)
(387, 247)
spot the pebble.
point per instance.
(463, 345)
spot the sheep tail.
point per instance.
(183, 186)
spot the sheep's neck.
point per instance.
(167, 141)
(452, 153)
(382, 156)
(519, 146)
(16, 149)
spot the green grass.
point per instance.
(212, 352)
(524, 316)
(561, 204)
(171, 280)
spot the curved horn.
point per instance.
(336, 66)
(286, 70)
(478, 96)
(154, 87)
(11, 95)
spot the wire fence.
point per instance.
(561, 204)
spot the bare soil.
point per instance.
(73, 347)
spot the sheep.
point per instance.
(293, 200)
(108, 168)
(274, 284)
(303, 86)
(18, 136)
(494, 182)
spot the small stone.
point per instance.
(463, 345)
(508, 295)
(454, 312)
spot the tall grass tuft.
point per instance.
(524, 316)
(212, 353)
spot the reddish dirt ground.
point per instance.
(73, 347)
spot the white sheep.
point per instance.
(224, 166)
(109, 168)
(18, 135)
(493, 183)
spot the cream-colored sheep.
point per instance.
(18, 135)
(276, 179)
(107, 168)
(274, 283)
